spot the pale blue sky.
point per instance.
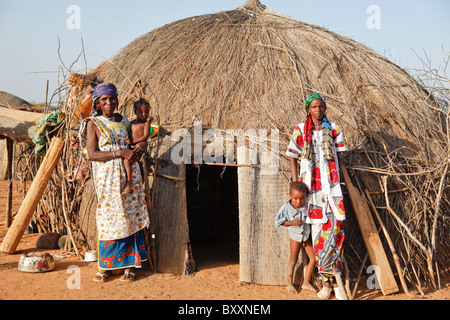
(29, 31)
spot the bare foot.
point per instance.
(128, 276)
(309, 287)
(102, 276)
(291, 288)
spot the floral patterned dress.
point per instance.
(120, 217)
(326, 210)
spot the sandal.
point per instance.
(101, 277)
(128, 276)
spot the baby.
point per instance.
(140, 131)
(291, 215)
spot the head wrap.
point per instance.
(104, 88)
(312, 97)
(327, 130)
(99, 90)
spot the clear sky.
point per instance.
(29, 31)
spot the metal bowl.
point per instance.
(36, 262)
(90, 256)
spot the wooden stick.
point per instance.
(391, 245)
(149, 244)
(9, 176)
(371, 238)
(46, 98)
(436, 215)
(169, 177)
(29, 204)
(66, 218)
(409, 233)
(390, 173)
(229, 165)
(347, 280)
(352, 296)
(390, 191)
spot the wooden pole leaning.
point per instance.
(34, 194)
(371, 238)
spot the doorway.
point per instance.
(213, 214)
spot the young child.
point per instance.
(140, 131)
(291, 215)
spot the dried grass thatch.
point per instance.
(252, 68)
(8, 100)
(229, 67)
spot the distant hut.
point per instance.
(10, 101)
(251, 68)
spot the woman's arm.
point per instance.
(294, 169)
(341, 177)
(93, 150)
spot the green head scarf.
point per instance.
(312, 97)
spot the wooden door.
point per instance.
(169, 216)
(263, 249)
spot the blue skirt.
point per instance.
(122, 253)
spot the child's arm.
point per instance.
(282, 219)
(145, 135)
(296, 223)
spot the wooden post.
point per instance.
(371, 238)
(9, 176)
(170, 207)
(29, 204)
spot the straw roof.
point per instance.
(252, 68)
(8, 100)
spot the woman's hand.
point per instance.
(294, 169)
(140, 148)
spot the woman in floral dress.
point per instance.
(120, 217)
(317, 142)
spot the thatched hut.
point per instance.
(251, 68)
(10, 103)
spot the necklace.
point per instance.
(317, 126)
(113, 117)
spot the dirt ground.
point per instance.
(215, 279)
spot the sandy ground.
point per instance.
(215, 279)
